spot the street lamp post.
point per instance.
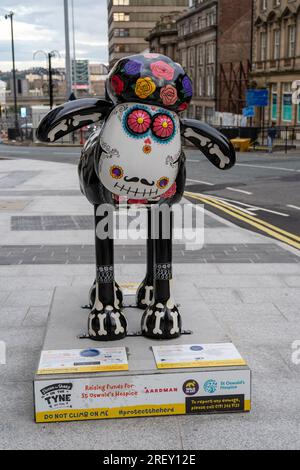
(49, 56)
(10, 16)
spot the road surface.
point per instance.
(261, 192)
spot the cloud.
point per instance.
(39, 24)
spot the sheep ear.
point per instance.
(72, 116)
(214, 145)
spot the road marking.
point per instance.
(201, 182)
(250, 208)
(192, 161)
(239, 191)
(261, 225)
(268, 167)
(67, 153)
(293, 207)
(14, 151)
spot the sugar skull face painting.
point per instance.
(153, 133)
(136, 155)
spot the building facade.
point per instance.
(214, 44)
(163, 38)
(234, 50)
(130, 21)
(276, 57)
(197, 39)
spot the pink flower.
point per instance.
(163, 126)
(139, 121)
(168, 95)
(162, 70)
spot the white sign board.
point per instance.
(82, 360)
(127, 396)
(197, 355)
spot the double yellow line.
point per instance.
(272, 230)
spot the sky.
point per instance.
(39, 25)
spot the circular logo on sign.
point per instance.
(210, 386)
(90, 353)
(190, 387)
(196, 348)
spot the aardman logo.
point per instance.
(58, 396)
(210, 386)
(190, 387)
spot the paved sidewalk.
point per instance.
(246, 287)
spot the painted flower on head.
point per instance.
(182, 107)
(139, 121)
(151, 55)
(187, 86)
(163, 126)
(162, 70)
(144, 87)
(168, 95)
(133, 67)
(117, 84)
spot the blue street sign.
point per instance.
(257, 97)
(249, 112)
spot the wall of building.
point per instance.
(130, 21)
(233, 53)
(276, 58)
(197, 35)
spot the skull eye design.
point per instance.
(116, 172)
(162, 183)
(163, 127)
(139, 121)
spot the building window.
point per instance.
(121, 32)
(192, 57)
(274, 110)
(209, 114)
(276, 45)
(291, 40)
(276, 3)
(120, 2)
(121, 17)
(184, 58)
(211, 53)
(201, 84)
(263, 5)
(199, 113)
(263, 46)
(200, 55)
(287, 104)
(210, 83)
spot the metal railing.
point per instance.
(287, 137)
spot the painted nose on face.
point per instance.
(135, 179)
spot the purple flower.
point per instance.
(132, 67)
(187, 86)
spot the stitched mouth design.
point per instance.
(151, 193)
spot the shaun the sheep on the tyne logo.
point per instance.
(136, 154)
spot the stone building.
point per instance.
(163, 38)
(130, 21)
(234, 49)
(197, 38)
(213, 42)
(276, 57)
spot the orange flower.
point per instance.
(144, 87)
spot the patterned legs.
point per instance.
(106, 321)
(161, 319)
